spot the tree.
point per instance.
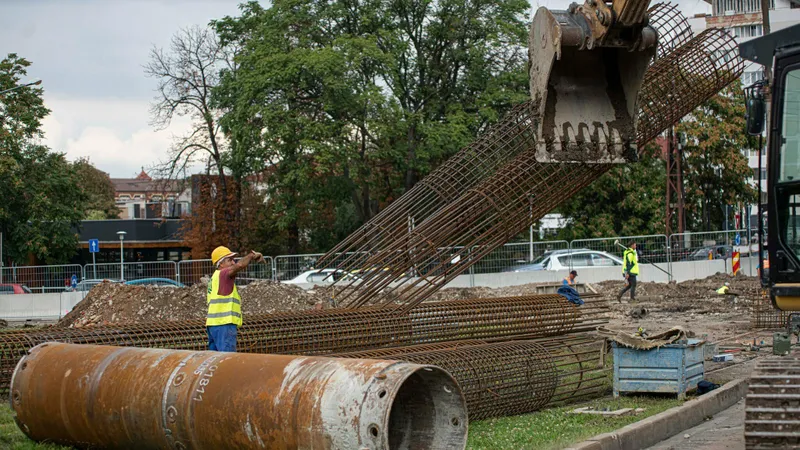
(99, 190)
(629, 200)
(186, 75)
(359, 100)
(626, 201)
(715, 169)
(42, 200)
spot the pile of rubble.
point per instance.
(118, 303)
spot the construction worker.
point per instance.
(630, 269)
(724, 289)
(223, 300)
(570, 279)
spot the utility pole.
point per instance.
(675, 191)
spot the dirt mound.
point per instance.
(706, 288)
(118, 303)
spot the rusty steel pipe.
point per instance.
(116, 397)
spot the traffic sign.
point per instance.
(94, 245)
(738, 239)
(74, 281)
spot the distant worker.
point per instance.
(223, 300)
(630, 269)
(724, 289)
(570, 279)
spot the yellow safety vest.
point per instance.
(629, 258)
(222, 309)
(723, 290)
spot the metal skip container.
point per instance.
(137, 398)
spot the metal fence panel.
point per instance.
(517, 256)
(132, 270)
(42, 279)
(653, 248)
(719, 244)
(193, 271)
(256, 272)
(290, 266)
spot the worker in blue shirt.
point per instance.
(570, 279)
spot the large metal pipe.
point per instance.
(130, 398)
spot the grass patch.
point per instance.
(549, 429)
(556, 428)
(12, 438)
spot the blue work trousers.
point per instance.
(222, 338)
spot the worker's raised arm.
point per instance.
(244, 262)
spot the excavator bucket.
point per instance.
(587, 65)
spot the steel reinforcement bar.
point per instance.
(513, 377)
(489, 152)
(338, 330)
(516, 195)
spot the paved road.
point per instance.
(724, 431)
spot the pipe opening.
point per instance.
(424, 416)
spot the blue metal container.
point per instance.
(674, 369)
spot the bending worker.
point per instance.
(570, 279)
(630, 269)
(223, 300)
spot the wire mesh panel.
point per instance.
(260, 271)
(192, 271)
(518, 256)
(130, 271)
(705, 246)
(43, 279)
(290, 266)
(673, 28)
(765, 316)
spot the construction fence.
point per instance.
(657, 249)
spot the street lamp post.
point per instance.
(121, 235)
(32, 83)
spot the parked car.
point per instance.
(566, 259)
(154, 282)
(716, 252)
(320, 276)
(14, 288)
(87, 285)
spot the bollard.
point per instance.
(118, 397)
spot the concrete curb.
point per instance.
(655, 429)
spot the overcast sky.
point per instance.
(89, 54)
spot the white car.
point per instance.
(566, 260)
(319, 276)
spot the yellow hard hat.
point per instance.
(219, 253)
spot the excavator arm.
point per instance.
(587, 65)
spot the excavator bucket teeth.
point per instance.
(584, 89)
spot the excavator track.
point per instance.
(772, 405)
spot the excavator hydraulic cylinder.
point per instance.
(90, 396)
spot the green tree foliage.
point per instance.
(626, 201)
(630, 199)
(346, 104)
(42, 201)
(99, 190)
(715, 169)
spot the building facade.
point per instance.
(145, 198)
(743, 20)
